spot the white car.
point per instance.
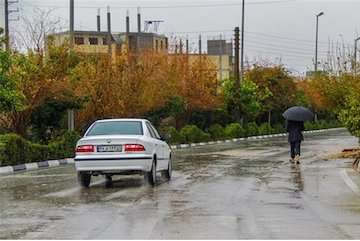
(122, 147)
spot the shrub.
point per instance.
(252, 129)
(15, 150)
(217, 132)
(279, 128)
(174, 136)
(265, 129)
(193, 134)
(234, 130)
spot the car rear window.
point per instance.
(116, 128)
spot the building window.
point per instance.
(105, 41)
(79, 40)
(93, 41)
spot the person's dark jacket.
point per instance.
(295, 129)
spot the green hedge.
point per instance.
(16, 150)
(234, 130)
(193, 134)
(321, 125)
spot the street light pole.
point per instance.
(242, 42)
(355, 55)
(317, 39)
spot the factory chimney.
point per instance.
(98, 21)
(127, 22)
(139, 20)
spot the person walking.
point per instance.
(295, 129)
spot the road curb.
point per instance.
(250, 138)
(54, 163)
(34, 166)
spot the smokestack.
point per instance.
(108, 39)
(98, 21)
(200, 49)
(139, 20)
(108, 20)
(127, 22)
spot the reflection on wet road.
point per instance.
(224, 191)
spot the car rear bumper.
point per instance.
(114, 164)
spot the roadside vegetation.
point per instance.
(184, 100)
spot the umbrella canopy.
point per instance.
(298, 113)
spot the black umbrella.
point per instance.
(298, 113)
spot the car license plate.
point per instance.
(109, 148)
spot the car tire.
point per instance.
(84, 179)
(167, 173)
(151, 175)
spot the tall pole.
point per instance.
(317, 40)
(236, 64)
(7, 39)
(220, 59)
(355, 56)
(72, 23)
(181, 46)
(237, 71)
(70, 112)
(242, 41)
(187, 46)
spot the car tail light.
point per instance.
(85, 149)
(134, 147)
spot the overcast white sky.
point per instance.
(273, 29)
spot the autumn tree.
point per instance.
(282, 87)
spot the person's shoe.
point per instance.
(291, 160)
(297, 159)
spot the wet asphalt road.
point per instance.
(247, 191)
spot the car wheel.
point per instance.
(84, 179)
(167, 173)
(151, 176)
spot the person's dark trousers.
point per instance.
(295, 148)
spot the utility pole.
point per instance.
(242, 41)
(181, 46)
(237, 55)
(70, 112)
(7, 44)
(317, 40)
(71, 23)
(220, 59)
(237, 71)
(187, 46)
(355, 56)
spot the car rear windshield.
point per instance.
(116, 128)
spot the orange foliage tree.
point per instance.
(131, 87)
